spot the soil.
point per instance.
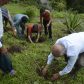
(41, 39)
(15, 48)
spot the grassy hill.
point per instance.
(26, 62)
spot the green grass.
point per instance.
(25, 62)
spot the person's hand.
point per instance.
(3, 50)
(44, 71)
(36, 40)
(55, 76)
(47, 25)
(14, 32)
(32, 42)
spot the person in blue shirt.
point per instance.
(20, 21)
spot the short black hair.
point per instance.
(24, 19)
(42, 10)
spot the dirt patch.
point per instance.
(52, 69)
(41, 39)
(15, 48)
(8, 29)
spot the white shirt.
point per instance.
(1, 27)
(74, 44)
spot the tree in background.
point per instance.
(59, 5)
(76, 5)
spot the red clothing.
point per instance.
(46, 15)
(29, 29)
(33, 28)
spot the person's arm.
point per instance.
(50, 59)
(30, 39)
(2, 49)
(38, 37)
(41, 19)
(10, 19)
(72, 60)
(14, 31)
(29, 33)
(50, 21)
(12, 24)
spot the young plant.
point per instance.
(72, 22)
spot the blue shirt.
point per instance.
(17, 18)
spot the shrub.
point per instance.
(31, 12)
(15, 1)
(59, 5)
(72, 22)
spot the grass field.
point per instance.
(26, 62)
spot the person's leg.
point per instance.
(45, 27)
(5, 64)
(50, 31)
(22, 25)
(5, 22)
(18, 29)
(2, 66)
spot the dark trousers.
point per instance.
(22, 25)
(77, 65)
(5, 63)
(49, 30)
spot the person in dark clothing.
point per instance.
(7, 19)
(5, 62)
(46, 20)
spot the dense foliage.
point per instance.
(59, 5)
(76, 5)
(72, 22)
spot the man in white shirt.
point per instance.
(71, 45)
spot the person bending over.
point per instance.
(72, 48)
(20, 21)
(33, 28)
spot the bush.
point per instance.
(72, 22)
(15, 1)
(31, 12)
(59, 5)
